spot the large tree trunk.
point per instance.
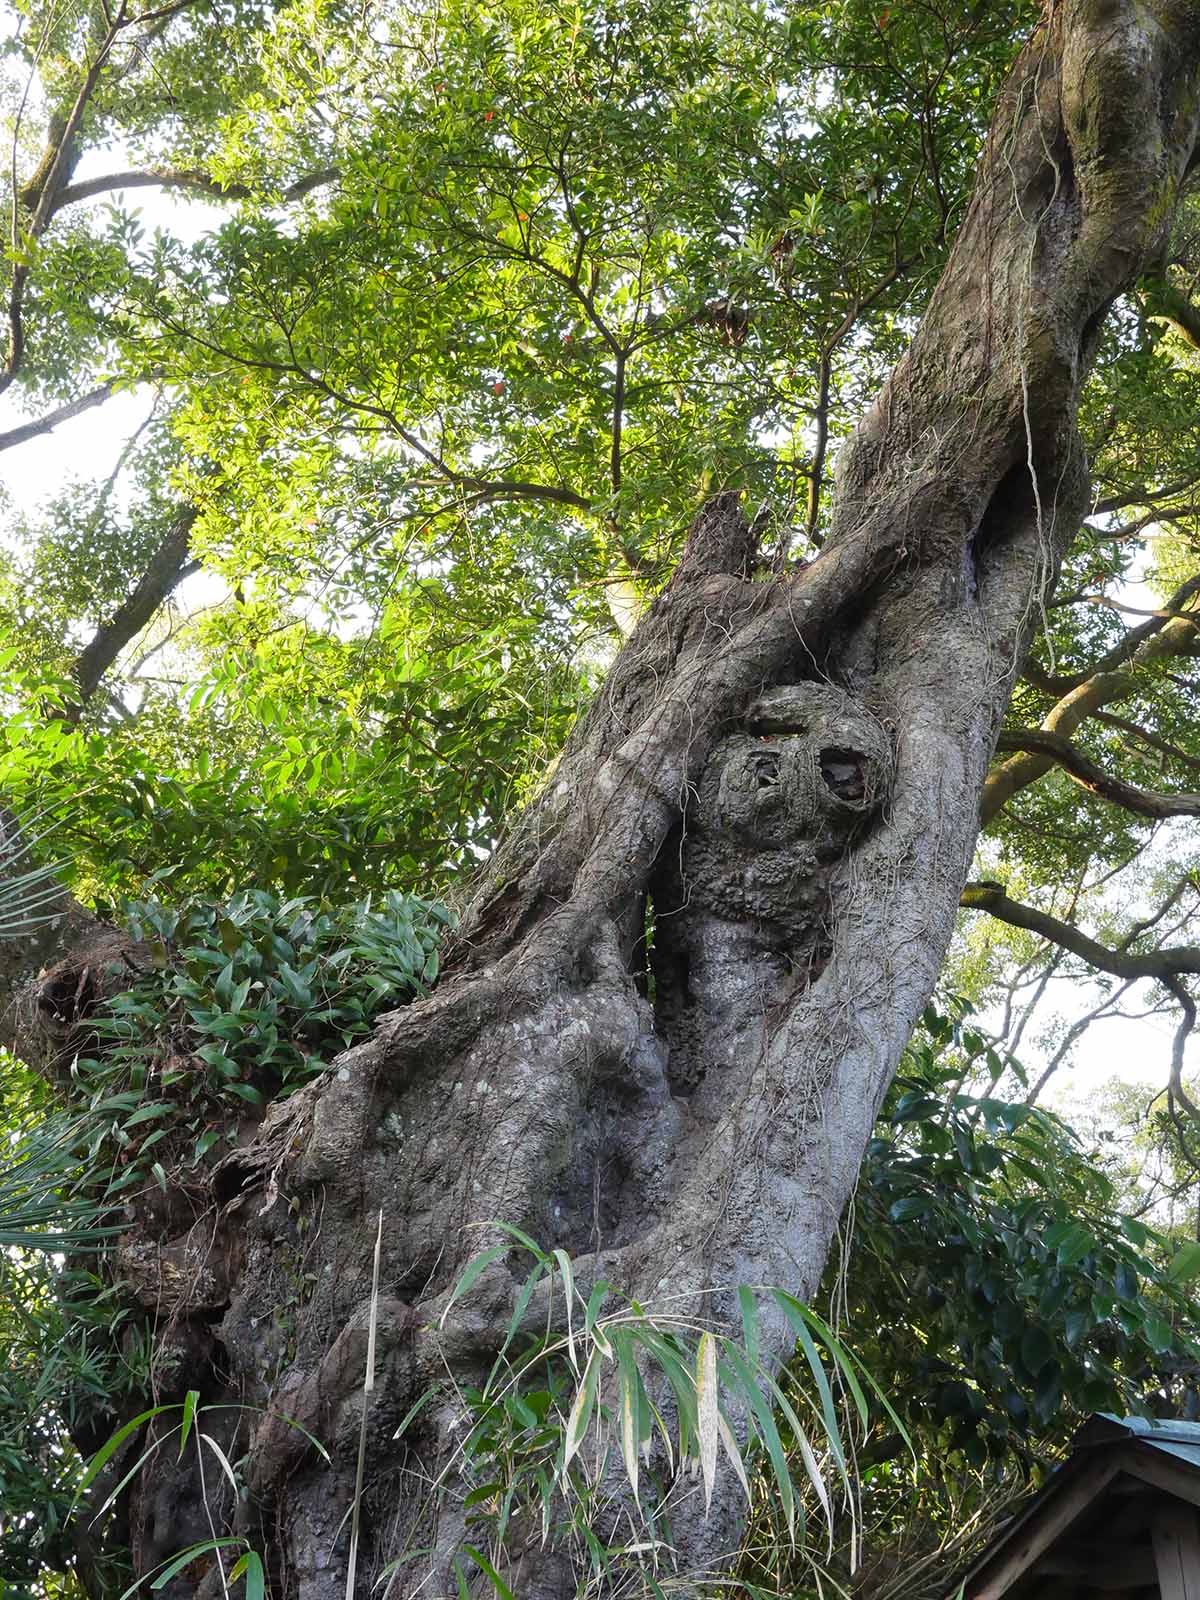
(764, 822)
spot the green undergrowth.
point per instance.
(235, 1003)
(229, 1004)
(1022, 1294)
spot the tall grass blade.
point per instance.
(250, 1566)
(581, 1411)
(770, 1436)
(489, 1572)
(707, 1413)
(735, 1456)
(469, 1274)
(368, 1389)
(568, 1277)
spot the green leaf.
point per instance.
(250, 1567)
(1076, 1243)
(1077, 1324)
(591, 1320)
(581, 1410)
(1036, 1350)
(820, 1377)
(916, 1106)
(470, 1273)
(629, 1407)
(245, 1091)
(185, 1559)
(1158, 1332)
(520, 1307)
(148, 1113)
(1125, 1282)
(522, 1239)
(780, 1473)
(112, 1444)
(190, 1401)
(1185, 1263)
(749, 1310)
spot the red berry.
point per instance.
(497, 388)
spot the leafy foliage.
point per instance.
(614, 1401)
(1020, 1295)
(238, 1001)
(476, 308)
(244, 1000)
(298, 765)
(69, 1357)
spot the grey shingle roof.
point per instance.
(1150, 1457)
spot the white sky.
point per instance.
(86, 447)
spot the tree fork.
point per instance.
(790, 769)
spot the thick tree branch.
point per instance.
(1176, 1093)
(42, 197)
(53, 170)
(1178, 606)
(1088, 597)
(1144, 497)
(1152, 741)
(1157, 964)
(1157, 639)
(188, 178)
(46, 424)
(167, 569)
(1165, 303)
(1148, 519)
(480, 490)
(1091, 776)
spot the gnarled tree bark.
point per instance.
(788, 771)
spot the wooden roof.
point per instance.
(1117, 1519)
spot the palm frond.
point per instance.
(28, 889)
(43, 1202)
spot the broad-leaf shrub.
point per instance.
(241, 1000)
(1021, 1298)
(229, 1004)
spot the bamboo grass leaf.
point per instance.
(629, 1408)
(190, 1401)
(581, 1410)
(770, 1436)
(470, 1273)
(250, 1566)
(707, 1413)
(735, 1455)
(489, 1572)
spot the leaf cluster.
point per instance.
(241, 1001)
(1021, 1295)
